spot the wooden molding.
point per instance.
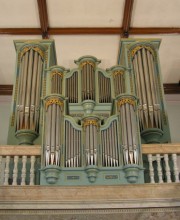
(78, 30)
(21, 31)
(127, 17)
(88, 31)
(169, 88)
(172, 88)
(154, 30)
(6, 89)
(43, 16)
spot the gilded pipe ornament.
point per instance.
(54, 101)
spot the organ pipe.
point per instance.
(104, 88)
(28, 103)
(52, 136)
(72, 88)
(88, 80)
(56, 82)
(129, 140)
(72, 145)
(109, 143)
(146, 89)
(91, 129)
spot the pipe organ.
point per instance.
(89, 121)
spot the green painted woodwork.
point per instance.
(47, 47)
(128, 47)
(91, 130)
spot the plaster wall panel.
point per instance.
(19, 14)
(89, 13)
(153, 13)
(69, 48)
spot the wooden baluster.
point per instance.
(32, 170)
(151, 168)
(1, 170)
(15, 170)
(175, 168)
(168, 174)
(6, 171)
(23, 174)
(159, 168)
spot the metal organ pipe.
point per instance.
(119, 83)
(129, 139)
(88, 81)
(29, 87)
(56, 82)
(53, 123)
(104, 88)
(109, 142)
(91, 142)
(147, 91)
(72, 88)
(72, 145)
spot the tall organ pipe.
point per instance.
(146, 88)
(88, 81)
(72, 145)
(28, 103)
(126, 105)
(109, 143)
(56, 82)
(53, 122)
(91, 129)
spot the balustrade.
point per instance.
(162, 162)
(19, 165)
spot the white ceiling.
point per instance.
(91, 13)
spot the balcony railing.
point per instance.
(19, 165)
(162, 162)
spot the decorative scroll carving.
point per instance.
(56, 72)
(90, 122)
(126, 100)
(54, 101)
(139, 47)
(87, 62)
(35, 48)
(118, 72)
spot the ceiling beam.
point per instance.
(172, 88)
(154, 30)
(89, 31)
(169, 88)
(43, 16)
(127, 17)
(6, 89)
(20, 31)
(92, 30)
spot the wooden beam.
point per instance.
(6, 89)
(43, 16)
(88, 31)
(127, 17)
(154, 30)
(169, 88)
(74, 31)
(172, 88)
(20, 31)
